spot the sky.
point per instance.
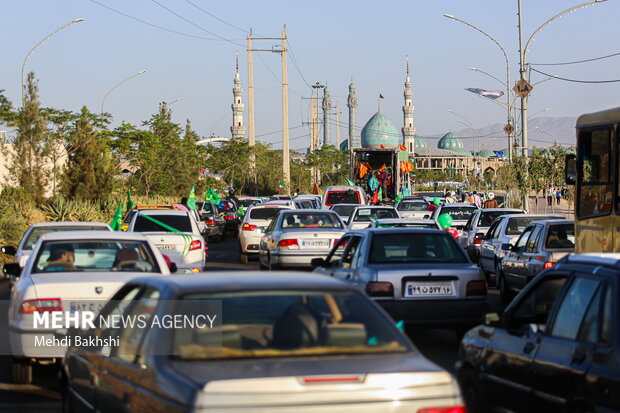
(330, 42)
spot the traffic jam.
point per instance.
(134, 320)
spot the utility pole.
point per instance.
(327, 106)
(524, 150)
(251, 136)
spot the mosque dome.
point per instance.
(379, 130)
(486, 153)
(418, 142)
(450, 142)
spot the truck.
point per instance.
(375, 159)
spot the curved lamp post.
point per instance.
(71, 23)
(173, 101)
(118, 84)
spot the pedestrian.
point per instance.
(296, 193)
(558, 195)
(549, 196)
(383, 179)
(491, 202)
(477, 200)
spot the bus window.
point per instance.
(594, 164)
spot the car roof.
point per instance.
(406, 220)
(342, 188)
(458, 205)
(308, 211)
(501, 210)
(398, 231)
(553, 221)
(69, 223)
(270, 205)
(86, 235)
(608, 259)
(163, 212)
(358, 206)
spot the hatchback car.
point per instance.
(280, 343)
(414, 208)
(343, 194)
(420, 276)
(295, 237)
(540, 246)
(363, 215)
(477, 226)
(556, 348)
(256, 219)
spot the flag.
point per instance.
(315, 189)
(373, 183)
(382, 146)
(380, 194)
(491, 94)
(350, 182)
(402, 147)
(500, 154)
(117, 221)
(129, 205)
(382, 168)
(212, 197)
(381, 96)
(363, 170)
(398, 197)
(191, 200)
(281, 186)
(375, 197)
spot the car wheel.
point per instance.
(21, 371)
(472, 392)
(504, 293)
(243, 258)
(498, 272)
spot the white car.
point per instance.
(316, 199)
(174, 233)
(363, 215)
(343, 194)
(283, 202)
(413, 208)
(256, 219)
(69, 272)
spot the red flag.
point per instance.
(382, 146)
(402, 148)
(375, 197)
(380, 96)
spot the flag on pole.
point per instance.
(363, 170)
(129, 205)
(212, 197)
(381, 96)
(375, 197)
(191, 199)
(350, 182)
(380, 194)
(281, 186)
(491, 94)
(315, 189)
(117, 221)
(402, 147)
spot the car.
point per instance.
(32, 234)
(459, 212)
(174, 233)
(304, 203)
(363, 215)
(295, 237)
(343, 194)
(540, 246)
(284, 202)
(477, 226)
(504, 230)
(316, 199)
(140, 207)
(343, 210)
(248, 201)
(404, 223)
(216, 225)
(256, 219)
(414, 208)
(67, 271)
(281, 197)
(419, 276)
(555, 348)
(287, 342)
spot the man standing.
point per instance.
(491, 202)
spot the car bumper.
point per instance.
(296, 258)
(448, 313)
(36, 343)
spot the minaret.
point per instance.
(354, 141)
(408, 129)
(237, 129)
(327, 106)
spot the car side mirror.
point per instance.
(507, 247)
(570, 169)
(8, 250)
(318, 262)
(12, 269)
(492, 319)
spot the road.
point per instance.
(43, 396)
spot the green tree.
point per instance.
(332, 164)
(57, 140)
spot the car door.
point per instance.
(332, 261)
(345, 270)
(566, 349)
(529, 253)
(507, 374)
(487, 252)
(510, 262)
(468, 231)
(536, 258)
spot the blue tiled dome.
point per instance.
(450, 142)
(419, 142)
(379, 130)
(486, 153)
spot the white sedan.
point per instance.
(68, 273)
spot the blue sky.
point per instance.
(332, 41)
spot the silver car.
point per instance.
(295, 237)
(413, 208)
(540, 246)
(420, 276)
(405, 223)
(477, 226)
(343, 210)
(459, 212)
(363, 215)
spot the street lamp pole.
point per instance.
(174, 101)
(71, 23)
(118, 84)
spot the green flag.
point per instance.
(241, 211)
(281, 186)
(129, 205)
(350, 182)
(212, 197)
(380, 195)
(398, 198)
(191, 200)
(117, 221)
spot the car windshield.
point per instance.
(342, 197)
(368, 214)
(343, 210)
(413, 206)
(487, 217)
(265, 213)
(146, 223)
(561, 236)
(415, 248)
(271, 323)
(310, 220)
(95, 255)
(517, 225)
(248, 202)
(36, 233)
(460, 213)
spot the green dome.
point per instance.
(419, 142)
(450, 142)
(379, 130)
(486, 153)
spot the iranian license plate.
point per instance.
(430, 289)
(315, 243)
(86, 306)
(164, 247)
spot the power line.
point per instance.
(575, 62)
(296, 65)
(215, 17)
(278, 131)
(574, 80)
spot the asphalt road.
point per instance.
(43, 395)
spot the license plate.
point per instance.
(165, 247)
(260, 230)
(82, 306)
(315, 243)
(431, 289)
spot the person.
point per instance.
(296, 193)
(491, 202)
(477, 200)
(126, 258)
(549, 196)
(558, 195)
(62, 258)
(383, 179)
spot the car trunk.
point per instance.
(314, 240)
(175, 246)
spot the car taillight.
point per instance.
(451, 409)
(477, 240)
(288, 243)
(210, 222)
(548, 264)
(40, 305)
(228, 217)
(195, 245)
(476, 287)
(248, 227)
(380, 289)
(336, 241)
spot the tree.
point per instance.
(89, 173)
(332, 164)
(56, 140)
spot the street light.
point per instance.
(71, 23)
(469, 124)
(118, 84)
(174, 101)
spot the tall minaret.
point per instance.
(237, 129)
(408, 128)
(354, 141)
(327, 107)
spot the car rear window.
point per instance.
(516, 225)
(342, 197)
(403, 248)
(285, 323)
(265, 213)
(561, 236)
(179, 222)
(487, 217)
(413, 206)
(461, 213)
(310, 220)
(368, 214)
(343, 209)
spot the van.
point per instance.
(343, 194)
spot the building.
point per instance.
(237, 130)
